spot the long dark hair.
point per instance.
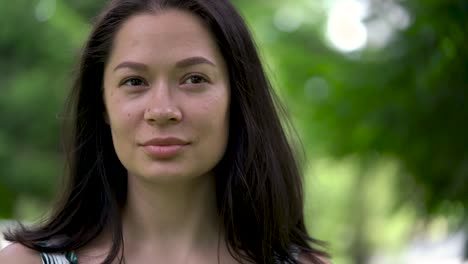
(258, 182)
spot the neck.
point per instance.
(174, 216)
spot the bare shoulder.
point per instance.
(325, 261)
(19, 254)
(304, 260)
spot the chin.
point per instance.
(171, 175)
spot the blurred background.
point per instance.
(377, 90)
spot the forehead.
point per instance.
(170, 34)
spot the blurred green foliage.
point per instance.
(38, 44)
(407, 99)
(383, 126)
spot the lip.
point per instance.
(167, 141)
(164, 148)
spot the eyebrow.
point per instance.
(180, 64)
(132, 65)
(194, 61)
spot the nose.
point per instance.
(162, 109)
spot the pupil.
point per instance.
(196, 79)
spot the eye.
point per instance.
(195, 79)
(133, 81)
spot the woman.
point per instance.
(177, 153)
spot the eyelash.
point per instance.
(202, 80)
(125, 82)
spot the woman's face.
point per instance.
(166, 93)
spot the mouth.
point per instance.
(164, 148)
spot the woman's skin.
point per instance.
(166, 92)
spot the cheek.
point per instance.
(208, 117)
(121, 116)
(215, 108)
(217, 116)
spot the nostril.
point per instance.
(162, 115)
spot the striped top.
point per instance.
(71, 258)
(67, 258)
(59, 258)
